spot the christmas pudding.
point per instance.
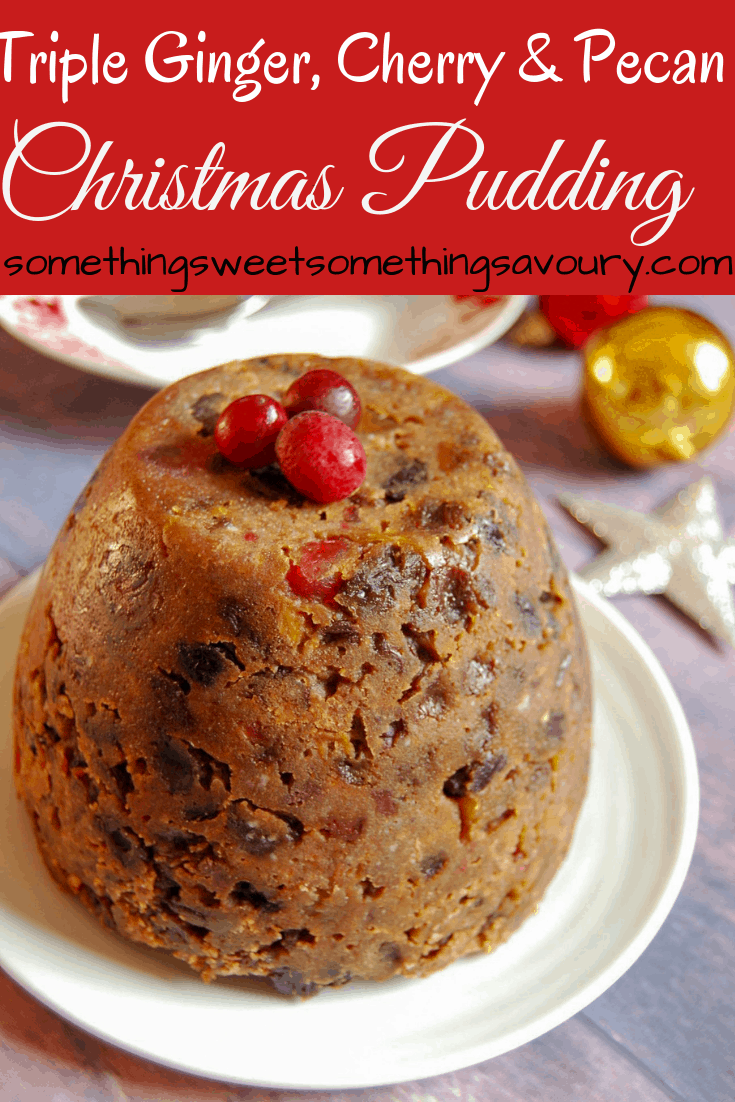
(308, 740)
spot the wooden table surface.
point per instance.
(666, 1029)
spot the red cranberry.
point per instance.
(321, 456)
(310, 578)
(326, 391)
(575, 317)
(247, 429)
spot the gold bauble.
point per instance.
(659, 386)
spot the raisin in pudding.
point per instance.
(303, 740)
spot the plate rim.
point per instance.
(514, 306)
(574, 1003)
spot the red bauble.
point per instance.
(575, 317)
(321, 456)
(326, 391)
(247, 429)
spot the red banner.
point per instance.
(414, 147)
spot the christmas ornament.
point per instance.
(575, 317)
(677, 550)
(659, 386)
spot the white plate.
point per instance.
(420, 332)
(628, 859)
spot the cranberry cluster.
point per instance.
(310, 435)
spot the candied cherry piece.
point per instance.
(326, 391)
(312, 575)
(247, 429)
(575, 317)
(321, 456)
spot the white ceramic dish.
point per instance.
(420, 332)
(628, 859)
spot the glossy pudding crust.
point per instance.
(310, 742)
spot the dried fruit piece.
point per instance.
(474, 777)
(381, 580)
(201, 662)
(411, 472)
(206, 411)
(244, 892)
(491, 534)
(530, 621)
(554, 726)
(575, 317)
(431, 866)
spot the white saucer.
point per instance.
(627, 863)
(419, 332)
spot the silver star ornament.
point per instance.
(678, 550)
